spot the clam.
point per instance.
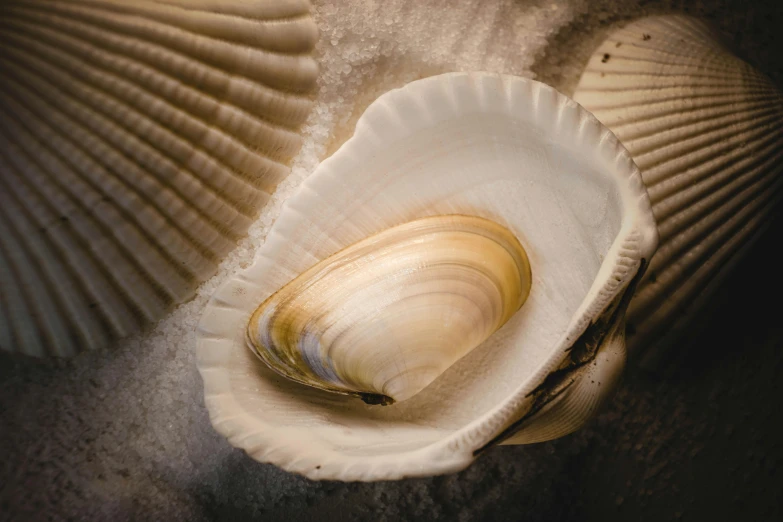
(385, 316)
(463, 263)
(138, 141)
(706, 130)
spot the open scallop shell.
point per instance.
(509, 150)
(706, 131)
(138, 140)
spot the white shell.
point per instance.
(706, 131)
(138, 141)
(507, 149)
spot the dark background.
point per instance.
(696, 439)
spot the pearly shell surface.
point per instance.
(386, 316)
(138, 141)
(506, 149)
(706, 130)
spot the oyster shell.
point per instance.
(706, 130)
(138, 140)
(505, 149)
(384, 317)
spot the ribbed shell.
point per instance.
(138, 140)
(706, 131)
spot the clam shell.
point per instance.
(510, 150)
(138, 140)
(706, 130)
(384, 317)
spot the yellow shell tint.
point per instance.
(387, 315)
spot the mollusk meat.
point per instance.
(464, 151)
(384, 317)
(706, 130)
(138, 140)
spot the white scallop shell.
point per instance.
(507, 149)
(706, 130)
(138, 140)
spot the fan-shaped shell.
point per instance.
(138, 140)
(384, 317)
(505, 149)
(706, 130)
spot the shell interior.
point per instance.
(138, 140)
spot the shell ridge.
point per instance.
(6, 330)
(664, 181)
(181, 20)
(621, 82)
(658, 123)
(697, 291)
(731, 231)
(21, 198)
(724, 76)
(212, 51)
(688, 51)
(23, 261)
(686, 216)
(22, 185)
(115, 322)
(84, 35)
(722, 88)
(703, 276)
(110, 110)
(677, 56)
(119, 88)
(131, 289)
(134, 149)
(696, 153)
(129, 164)
(695, 191)
(80, 182)
(17, 305)
(263, 10)
(179, 270)
(621, 102)
(160, 60)
(648, 143)
(674, 247)
(241, 30)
